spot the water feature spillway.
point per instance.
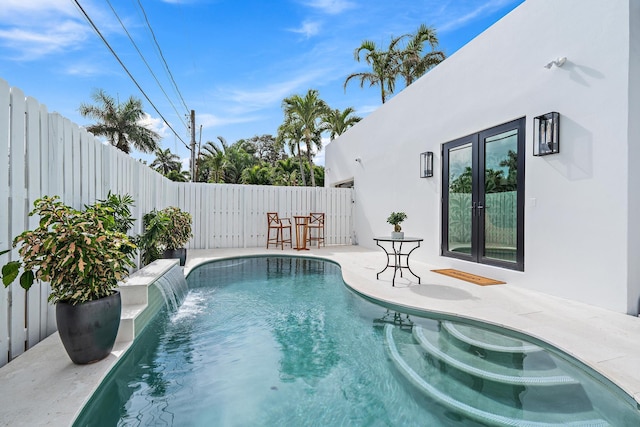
(173, 287)
(159, 284)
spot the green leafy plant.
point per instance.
(178, 230)
(395, 219)
(121, 206)
(154, 224)
(82, 254)
(169, 228)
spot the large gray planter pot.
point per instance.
(88, 330)
(180, 253)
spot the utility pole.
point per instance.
(198, 153)
(193, 146)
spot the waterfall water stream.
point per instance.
(173, 287)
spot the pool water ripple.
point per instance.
(282, 342)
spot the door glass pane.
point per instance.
(501, 185)
(460, 179)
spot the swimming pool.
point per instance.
(281, 341)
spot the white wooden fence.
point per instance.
(47, 154)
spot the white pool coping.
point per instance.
(43, 387)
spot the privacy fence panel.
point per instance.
(19, 209)
(235, 216)
(5, 236)
(47, 154)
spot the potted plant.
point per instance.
(396, 219)
(153, 224)
(166, 232)
(83, 256)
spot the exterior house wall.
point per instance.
(633, 159)
(580, 236)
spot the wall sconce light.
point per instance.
(559, 62)
(546, 134)
(426, 164)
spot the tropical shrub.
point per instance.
(82, 254)
(169, 228)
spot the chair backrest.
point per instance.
(272, 218)
(316, 218)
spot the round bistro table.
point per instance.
(398, 254)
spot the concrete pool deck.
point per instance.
(43, 387)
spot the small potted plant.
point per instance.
(166, 232)
(396, 219)
(83, 255)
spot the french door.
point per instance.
(483, 196)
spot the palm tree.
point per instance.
(238, 157)
(336, 122)
(383, 71)
(291, 133)
(319, 172)
(166, 161)
(119, 123)
(307, 113)
(285, 172)
(179, 176)
(257, 175)
(214, 159)
(410, 61)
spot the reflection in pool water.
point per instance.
(281, 341)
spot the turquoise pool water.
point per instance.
(282, 342)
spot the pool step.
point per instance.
(482, 367)
(487, 340)
(475, 400)
(140, 300)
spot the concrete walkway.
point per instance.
(42, 387)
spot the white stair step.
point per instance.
(501, 415)
(484, 369)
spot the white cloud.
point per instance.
(156, 124)
(308, 29)
(366, 109)
(332, 7)
(87, 69)
(31, 29)
(458, 18)
(318, 159)
(19, 9)
(274, 93)
(185, 163)
(211, 120)
(33, 43)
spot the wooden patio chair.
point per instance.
(279, 225)
(316, 224)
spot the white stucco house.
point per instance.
(566, 224)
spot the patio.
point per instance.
(43, 387)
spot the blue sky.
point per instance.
(233, 61)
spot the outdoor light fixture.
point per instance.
(546, 134)
(426, 164)
(559, 62)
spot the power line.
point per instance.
(188, 35)
(126, 70)
(145, 62)
(162, 56)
